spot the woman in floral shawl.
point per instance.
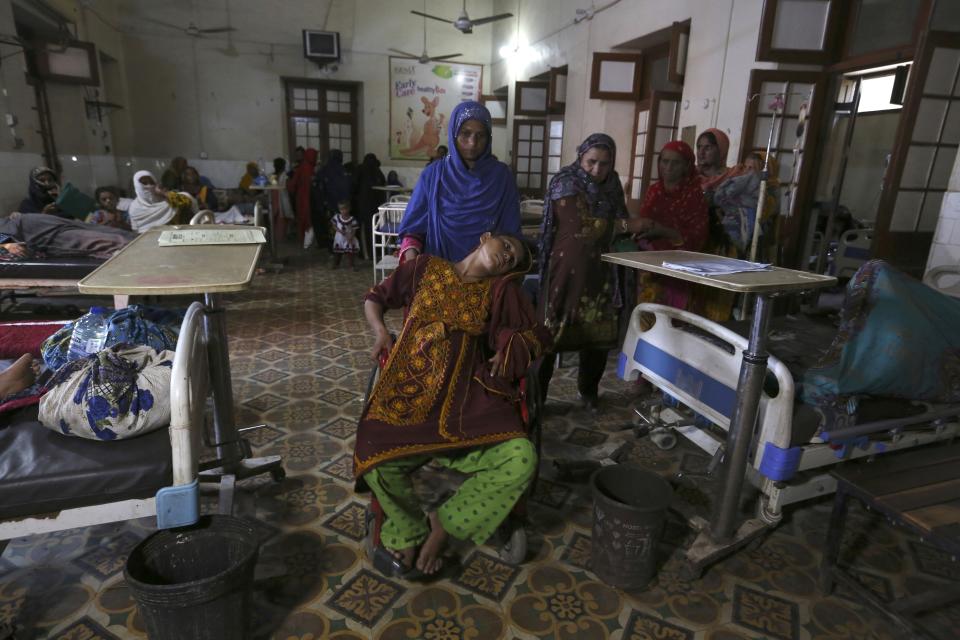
(580, 298)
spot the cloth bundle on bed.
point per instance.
(898, 338)
(136, 325)
(116, 393)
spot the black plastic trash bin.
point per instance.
(629, 508)
(194, 583)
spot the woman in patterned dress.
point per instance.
(449, 393)
(580, 297)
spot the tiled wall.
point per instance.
(946, 240)
(945, 249)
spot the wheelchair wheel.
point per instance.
(369, 540)
(371, 383)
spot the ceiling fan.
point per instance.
(191, 29)
(424, 57)
(464, 23)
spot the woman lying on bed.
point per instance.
(449, 393)
(22, 234)
(18, 377)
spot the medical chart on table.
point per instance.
(186, 237)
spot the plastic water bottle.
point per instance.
(89, 334)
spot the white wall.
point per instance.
(717, 72)
(183, 96)
(86, 147)
(945, 250)
(234, 109)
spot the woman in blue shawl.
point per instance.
(462, 196)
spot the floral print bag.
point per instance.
(117, 393)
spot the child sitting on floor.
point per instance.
(345, 239)
(449, 392)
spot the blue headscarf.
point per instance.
(452, 205)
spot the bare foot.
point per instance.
(429, 560)
(18, 376)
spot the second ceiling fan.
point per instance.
(424, 58)
(463, 23)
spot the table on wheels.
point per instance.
(143, 267)
(722, 536)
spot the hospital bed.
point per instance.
(386, 237)
(50, 482)
(697, 362)
(44, 273)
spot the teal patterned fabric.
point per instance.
(898, 338)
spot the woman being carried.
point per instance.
(461, 195)
(449, 392)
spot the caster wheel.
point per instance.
(767, 515)
(514, 550)
(665, 439)
(278, 474)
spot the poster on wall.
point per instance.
(422, 96)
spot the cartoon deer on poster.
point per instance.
(430, 138)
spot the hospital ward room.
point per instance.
(480, 319)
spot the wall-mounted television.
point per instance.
(72, 63)
(321, 46)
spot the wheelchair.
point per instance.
(511, 536)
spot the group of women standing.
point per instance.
(580, 297)
(458, 202)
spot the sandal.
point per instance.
(392, 567)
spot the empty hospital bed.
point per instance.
(697, 362)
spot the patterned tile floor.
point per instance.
(300, 363)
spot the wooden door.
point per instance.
(923, 155)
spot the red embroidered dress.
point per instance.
(436, 392)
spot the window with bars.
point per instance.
(322, 115)
(529, 141)
(554, 147)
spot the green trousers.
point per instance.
(499, 475)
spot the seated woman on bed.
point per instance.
(449, 393)
(22, 234)
(155, 206)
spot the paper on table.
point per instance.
(717, 266)
(183, 237)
